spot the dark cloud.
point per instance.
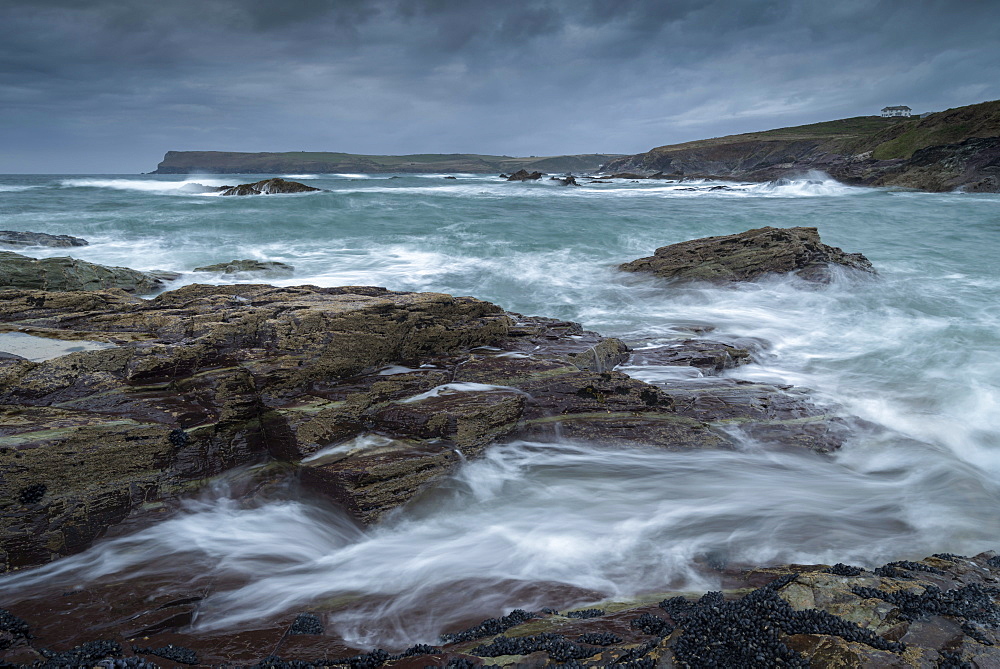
(109, 85)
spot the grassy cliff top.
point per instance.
(885, 137)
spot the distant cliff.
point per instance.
(226, 162)
(954, 149)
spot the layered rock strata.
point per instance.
(205, 379)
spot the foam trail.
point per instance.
(579, 518)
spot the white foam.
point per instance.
(617, 522)
(452, 388)
(358, 444)
(144, 185)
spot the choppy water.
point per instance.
(916, 351)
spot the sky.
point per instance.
(108, 86)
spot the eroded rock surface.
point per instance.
(749, 255)
(373, 396)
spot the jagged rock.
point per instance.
(195, 388)
(269, 187)
(14, 238)
(70, 274)
(523, 175)
(748, 255)
(207, 378)
(235, 266)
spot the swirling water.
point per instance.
(915, 351)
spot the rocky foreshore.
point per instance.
(207, 382)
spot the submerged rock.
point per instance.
(749, 255)
(236, 266)
(14, 238)
(269, 187)
(70, 274)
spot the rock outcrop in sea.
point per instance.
(208, 378)
(64, 273)
(20, 239)
(269, 187)
(524, 175)
(369, 398)
(749, 255)
(248, 265)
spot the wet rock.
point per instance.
(490, 627)
(625, 175)
(524, 175)
(269, 267)
(711, 357)
(749, 255)
(69, 274)
(170, 652)
(269, 187)
(15, 238)
(306, 623)
(204, 379)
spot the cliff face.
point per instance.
(957, 148)
(226, 162)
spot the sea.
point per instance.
(914, 351)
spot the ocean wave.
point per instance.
(186, 187)
(15, 189)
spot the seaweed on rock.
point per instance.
(745, 632)
(841, 569)
(84, 655)
(558, 647)
(973, 603)
(490, 627)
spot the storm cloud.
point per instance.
(110, 85)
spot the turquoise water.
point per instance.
(915, 350)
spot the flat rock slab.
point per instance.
(749, 255)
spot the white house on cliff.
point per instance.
(902, 110)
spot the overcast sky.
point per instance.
(110, 85)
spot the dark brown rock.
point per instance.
(269, 187)
(201, 382)
(749, 255)
(524, 175)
